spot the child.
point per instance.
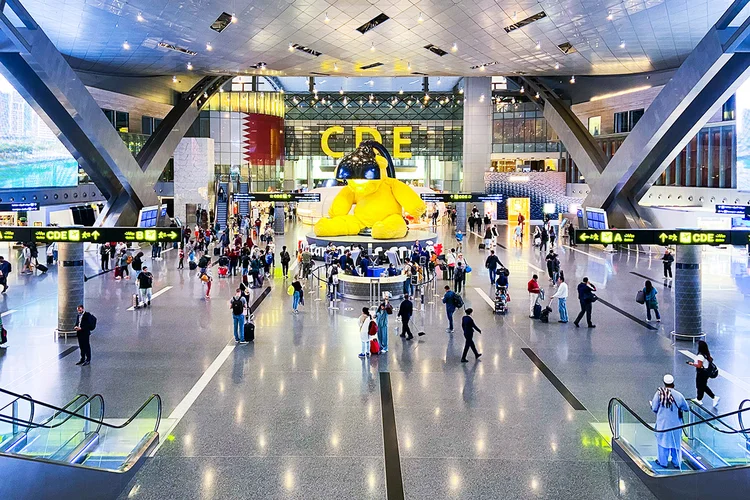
(459, 240)
(181, 265)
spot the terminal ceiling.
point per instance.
(607, 36)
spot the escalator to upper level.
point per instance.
(72, 452)
(243, 207)
(222, 204)
(715, 452)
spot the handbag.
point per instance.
(640, 297)
(468, 269)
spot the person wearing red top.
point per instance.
(533, 288)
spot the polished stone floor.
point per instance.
(298, 415)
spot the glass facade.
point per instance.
(520, 127)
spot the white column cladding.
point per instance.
(477, 132)
(193, 173)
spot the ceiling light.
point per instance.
(208, 47)
(400, 91)
(341, 91)
(126, 45)
(610, 16)
(234, 18)
(572, 79)
(335, 67)
(420, 19)
(427, 97)
(481, 68)
(454, 48)
(619, 93)
(281, 91)
(557, 65)
(481, 98)
(372, 47)
(522, 89)
(461, 90)
(291, 48)
(622, 44)
(139, 18)
(536, 96)
(538, 45)
(174, 79)
(327, 19)
(205, 95)
(295, 100)
(190, 66)
(408, 66)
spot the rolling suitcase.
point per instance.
(42, 268)
(136, 301)
(249, 332)
(192, 265)
(118, 272)
(544, 316)
(537, 311)
(217, 251)
(50, 260)
(482, 246)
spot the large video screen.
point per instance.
(31, 156)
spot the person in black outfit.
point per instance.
(586, 297)
(667, 259)
(405, 310)
(285, 258)
(468, 326)
(84, 324)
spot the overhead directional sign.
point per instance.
(461, 197)
(25, 206)
(742, 210)
(88, 234)
(662, 237)
(277, 196)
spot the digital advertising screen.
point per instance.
(31, 156)
(742, 109)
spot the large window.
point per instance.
(520, 127)
(119, 119)
(626, 120)
(595, 125)
(149, 124)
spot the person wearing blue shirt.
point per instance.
(668, 404)
(342, 261)
(449, 299)
(459, 240)
(364, 264)
(491, 264)
(586, 297)
(392, 271)
(468, 326)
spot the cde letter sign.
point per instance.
(399, 141)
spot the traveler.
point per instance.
(137, 264)
(704, 370)
(667, 260)
(450, 260)
(238, 305)
(468, 326)
(26, 256)
(545, 239)
(649, 294)
(550, 258)
(5, 270)
(459, 278)
(85, 324)
(285, 259)
(381, 317)
(181, 264)
(452, 301)
(561, 294)
(332, 279)
(459, 240)
(551, 236)
(668, 404)
(297, 295)
(491, 264)
(365, 332)
(145, 282)
(521, 221)
(487, 237)
(518, 235)
(405, 310)
(587, 298)
(103, 253)
(125, 259)
(534, 292)
(207, 280)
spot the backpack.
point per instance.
(458, 301)
(713, 370)
(203, 262)
(237, 307)
(373, 328)
(269, 258)
(93, 322)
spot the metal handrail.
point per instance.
(30, 424)
(742, 428)
(615, 434)
(73, 414)
(316, 276)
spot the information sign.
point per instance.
(277, 196)
(25, 206)
(661, 237)
(461, 197)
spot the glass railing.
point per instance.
(709, 441)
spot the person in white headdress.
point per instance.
(668, 404)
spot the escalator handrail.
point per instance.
(30, 424)
(614, 401)
(98, 422)
(731, 430)
(31, 406)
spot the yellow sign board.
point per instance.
(400, 139)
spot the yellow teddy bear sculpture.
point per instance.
(379, 199)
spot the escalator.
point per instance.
(715, 452)
(243, 207)
(222, 204)
(74, 452)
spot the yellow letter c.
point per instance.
(336, 129)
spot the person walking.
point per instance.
(551, 236)
(518, 235)
(534, 291)
(704, 370)
(492, 264)
(459, 277)
(450, 260)
(297, 295)
(586, 297)
(468, 326)
(285, 258)
(669, 404)
(5, 270)
(561, 294)
(365, 337)
(451, 300)
(381, 317)
(145, 282)
(405, 310)
(667, 260)
(649, 294)
(104, 255)
(238, 304)
(85, 324)
(550, 258)
(487, 237)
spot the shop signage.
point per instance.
(662, 237)
(277, 196)
(400, 139)
(461, 197)
(26, 206)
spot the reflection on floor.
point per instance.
(298, 415)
